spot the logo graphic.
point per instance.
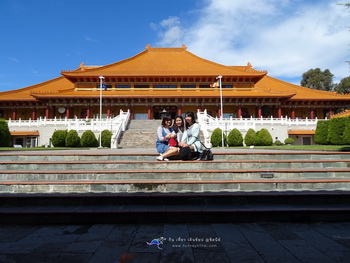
(157, 241)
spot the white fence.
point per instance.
(278, 127)
(116, 125)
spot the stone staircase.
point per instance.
(124, 187)
(140, 133)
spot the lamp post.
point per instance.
(221, 110)
(101, 79)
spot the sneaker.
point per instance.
(165, 159)
(160, 158)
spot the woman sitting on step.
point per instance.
(190, 138)
(164, 133)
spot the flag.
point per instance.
(104, 85)
(215, 84)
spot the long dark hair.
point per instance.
(177, 128)
(165, 118)
(193, 118)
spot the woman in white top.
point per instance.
(191, 135)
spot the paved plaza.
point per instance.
(203, 243)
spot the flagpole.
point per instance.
(101, 78)
(222, 111)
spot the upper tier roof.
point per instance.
(165, 62)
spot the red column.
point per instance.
(179, 110)
(33, 114)
(259, 112)
(88, 113)
(67, 112)
(149, 113)
(14, 114)
(219, 113)
(279, 112)
(312, 114)
(239, 113)
(293, 113)
(109, 111)
(47, 112)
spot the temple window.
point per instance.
(226, 86)
(122, 86)
(188, 86)
(164, 86)
(141, 86)
(206, 86)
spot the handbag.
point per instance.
(173, 142)
(207, 154)
(185, 153)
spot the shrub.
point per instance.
(216, 138)
(72, 139)
(289, 141)
(250, 137)
(59, 138)
(346, 135)
(336, 130)
(88, 139)
(235, 138)
(264, 138)
(106, 138)
(321, 133)
(5, 135)
(278, 143)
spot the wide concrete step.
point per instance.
(115, 156)
(171, 185)
(174, 208)
(171, 165)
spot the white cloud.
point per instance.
(169, 31)
(14, 59)
(285, 37)
(89, 39)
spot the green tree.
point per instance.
(264, 138)
(72, 139)
(88, 139)
(5, 134)
(250, 137)
(235, 138)
(321, 133)
(59, 138)
(318, 79)
(216, 138)
(106, 138)
(344, 86)
(336, 130)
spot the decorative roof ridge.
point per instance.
(344, 113)
(32, 86)
(249, 68)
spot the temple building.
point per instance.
(170, 79)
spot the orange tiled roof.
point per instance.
(301, 132)
(165, 62)
(345, 113)
(24, 133)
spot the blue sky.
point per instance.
(285, 37)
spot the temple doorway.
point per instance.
(160, 111)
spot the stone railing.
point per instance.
(278, 127)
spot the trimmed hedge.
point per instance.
(216, 138)
(336, 130)
(59, 138)
(250, 137)
(5, 135)
(289, 141)
(106, 138)
(346, 135)
(235, 138)
(88, 139)
(321, 133)
(72, 139)
(264, 138)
